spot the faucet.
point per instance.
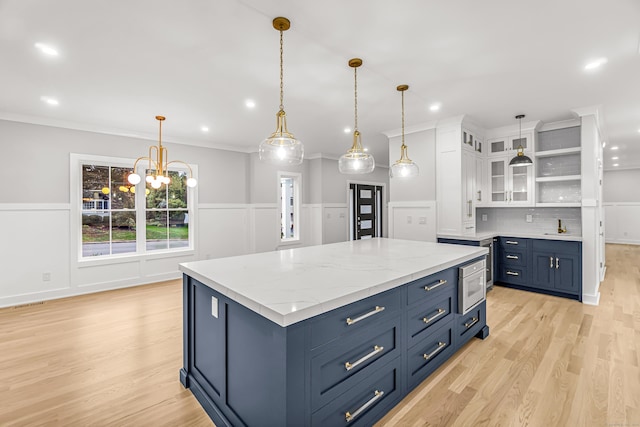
(560, 229)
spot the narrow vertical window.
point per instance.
(289, 206)
(167, 214)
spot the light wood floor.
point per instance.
(112, 359)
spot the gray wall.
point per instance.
(621, 186)
(263, 180)
(335, 184)
(421, 148)
(38, 156)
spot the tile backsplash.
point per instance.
(544, 220)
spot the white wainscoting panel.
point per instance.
(622, 223)
(223, 230)
(335, 219)
(413, 220)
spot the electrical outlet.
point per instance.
(485, 217)
(214, 307)
(409, 220)
(341, 215)
(328, 215)
(423, 220)
(529, 218)
(46, 277)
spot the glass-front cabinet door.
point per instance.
(498, 180)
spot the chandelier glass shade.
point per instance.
(158, 167)
(404, 167)
(356, 160)
(281, 147)
(520, 159)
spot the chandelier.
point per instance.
(158, 169)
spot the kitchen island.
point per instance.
(324, 335)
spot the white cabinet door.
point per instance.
(481, 177)
(497, 182)
(468, 192)
(520, 185)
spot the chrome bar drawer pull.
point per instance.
(441, 345)
(512, 257)
(376, 349)
(550, 262)
(474, 320)
(512, 273)
(434, 317)
(557, 263)
(436, 285)
(348, 416)
(376, 310)
(511, 242)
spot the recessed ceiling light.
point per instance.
(250, 103)
(615, 164)
(614, 158)
(615, 147)
(49, 100)
(434, 107)
(46, 49)
(204, 129)
(595, 64)
(347, 130)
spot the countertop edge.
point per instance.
(492, 234)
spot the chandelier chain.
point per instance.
(281, 72)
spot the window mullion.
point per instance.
(141, 215)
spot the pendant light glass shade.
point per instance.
(404, 167)
(356, 160)
(520, 159)
(281, 147)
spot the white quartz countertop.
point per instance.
(490, 234)
(292, 285)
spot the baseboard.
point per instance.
(591, 299)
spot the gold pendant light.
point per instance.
(520, 159)
(159, 165)
(356, 160)
(281, 147)
(405, 167)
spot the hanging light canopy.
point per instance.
(404, 167)
(520, 159)
(159, 165)
(356, 160)
(281, 147)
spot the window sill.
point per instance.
(124, 259)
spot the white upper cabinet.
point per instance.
(509, 186)
(509, 144)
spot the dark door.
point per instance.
(366, 205)
(543, 269)
(566, 273)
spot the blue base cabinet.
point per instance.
(325, 371)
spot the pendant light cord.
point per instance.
(281, 72)
(355, 86)
(402, 92)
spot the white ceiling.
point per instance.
(120, 63)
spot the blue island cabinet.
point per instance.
(346, 367)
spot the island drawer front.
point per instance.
(470, 324)
(365, 402)
(515, 275)
(513, 242)
(365, 353)
(428, 316)
(432, 286)
(428, 354)
(354, 318)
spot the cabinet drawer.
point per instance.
(429, 315)
(431, 352)
(471, 323)
(516, 256)
(347, 361)
(365, 402)
(513, 242)
(512, 274)
(354, 318)
(432, 286)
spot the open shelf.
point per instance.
(559, 178)
(559, 152)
